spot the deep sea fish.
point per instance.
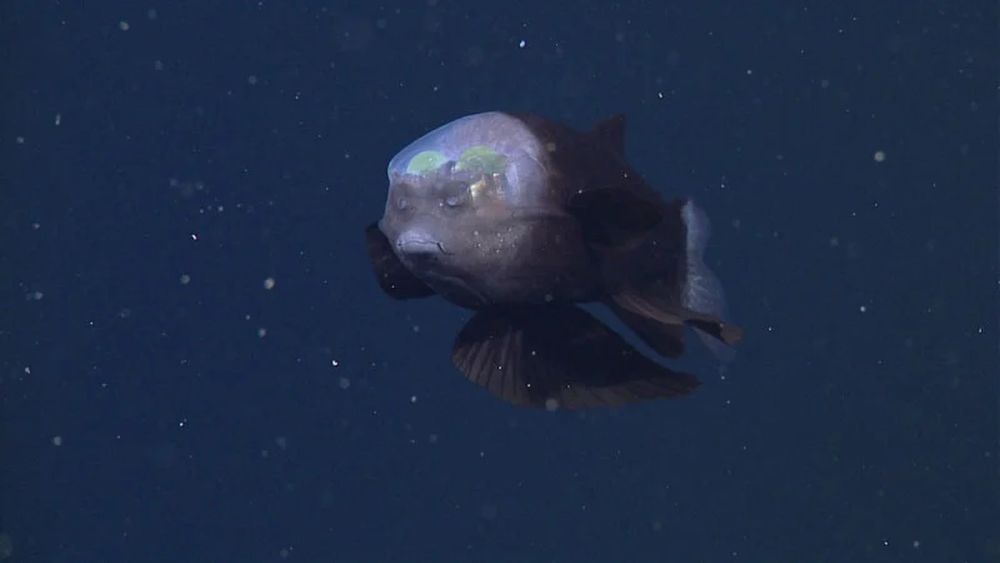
(520, 218)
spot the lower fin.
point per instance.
(559, 356)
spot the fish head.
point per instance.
(464, 201)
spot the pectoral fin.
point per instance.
(392, 275)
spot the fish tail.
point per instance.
(660, 309)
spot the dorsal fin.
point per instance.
(611, 133)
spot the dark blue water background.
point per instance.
(161, 161)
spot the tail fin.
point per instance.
(658, 311)
(702, 291)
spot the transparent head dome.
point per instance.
(493, 147)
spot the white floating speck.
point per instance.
(551, 404)
(58, 119)
(413, 398)
(252, 79)
(879, 156)
(261, 332)
(123, 25)
(863, 308)
(194, 236)
(344, 383)
(185, 279)
(57, 440)
(522, 44)
(334, 363)
(269, 283)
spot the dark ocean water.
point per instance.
(161, 402)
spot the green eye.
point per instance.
(425, 161)
(482, 159)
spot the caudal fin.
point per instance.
(658, 310)
(702, 291)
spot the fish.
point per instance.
(523, 220)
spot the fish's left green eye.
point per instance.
(425, 161)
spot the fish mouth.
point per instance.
(419, 245)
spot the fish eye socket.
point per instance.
(402, 203)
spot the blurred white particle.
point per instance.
(261, 332)
(151, 14)
(194, 236)
(269, 283)
(36, 226)
(123, 25)
(749, 71)
(551, 404)
(862, 308)
(522, 44)
(659, 95)
(157, 65)
(416, 328)
(58, 119)
(20, 140)
(879, 156)
(916, 544)
(252, 79)
(282, 442)
(334, 363)
(57, 440)
(413, 398)
(27, 370)
(185, 279)
(182, 423)
(283, 553)
(344, 383)
(35, 296)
